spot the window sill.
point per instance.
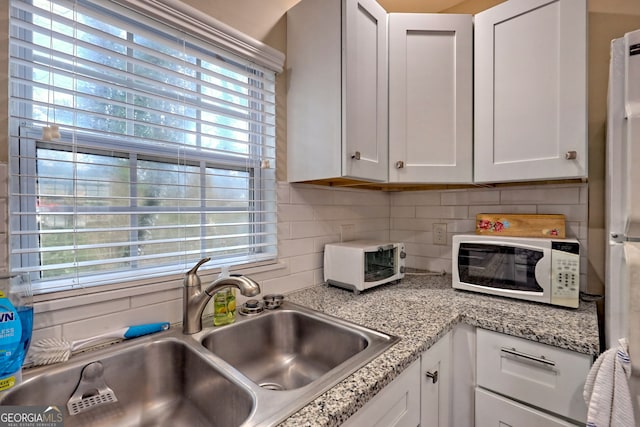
(44, 303)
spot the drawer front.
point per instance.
(497, 411)
(541, 375)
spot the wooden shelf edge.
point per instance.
(383, 186)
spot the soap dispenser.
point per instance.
(224, 302)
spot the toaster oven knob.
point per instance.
(403, 255)
(402, 270)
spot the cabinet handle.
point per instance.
(516, 353)
(571, 155)
(356, 155)
(433, 376)
(399, 164)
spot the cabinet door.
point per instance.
(430, 98)
(365, 91)
(436, 383)
(397, 405)
(530, 91)
(314, 90)
(493, 410)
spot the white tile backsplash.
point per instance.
(541, 196)
(79, 313)
(471, 197)
(442, 212)
(458, 209)
(288, 212)
(513, 209)
(416, 198)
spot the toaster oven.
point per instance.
(362, 264)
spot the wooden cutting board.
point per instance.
(522, 225)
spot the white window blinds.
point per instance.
(135, 148)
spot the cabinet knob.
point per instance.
(571, 155)
(356, 155)
(399, 164)
(433, 376)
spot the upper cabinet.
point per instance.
(445, 99)
(430, 98)
(337, 90)
(531, 91)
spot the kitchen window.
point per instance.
(136, 147)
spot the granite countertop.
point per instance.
(420, 310)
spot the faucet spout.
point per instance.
(247, 286)
(195, 299)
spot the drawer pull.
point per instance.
(433, 376)
(541, 359)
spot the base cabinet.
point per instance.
(419, 396)
(398, 405)
(478, 378)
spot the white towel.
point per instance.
(606, 390)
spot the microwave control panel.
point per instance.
(565, 273)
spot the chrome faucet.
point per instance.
(194, 299)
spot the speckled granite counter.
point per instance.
(421, 310)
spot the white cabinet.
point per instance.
(435, 388)
(539, 375)
(493, 410)
(474, 377)
(397, 405)
(337, 90)
(530, 116)
(419, 396)
(463, 375)
(430, 98)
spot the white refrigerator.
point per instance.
(622, 294)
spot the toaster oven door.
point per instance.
(504, 267)
(381, 264)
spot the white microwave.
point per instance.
(362, 264)
(532, 269)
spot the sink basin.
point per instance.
(286, 349)
(157, 382)
(293, 354)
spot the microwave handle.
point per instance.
(543, 271)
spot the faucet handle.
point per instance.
(191, 278)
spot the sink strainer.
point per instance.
(272, 386)
(272, 301)
(251, 308)
(91, 391)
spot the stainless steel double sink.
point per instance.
(255, 372)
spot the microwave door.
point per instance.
(502, 268)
